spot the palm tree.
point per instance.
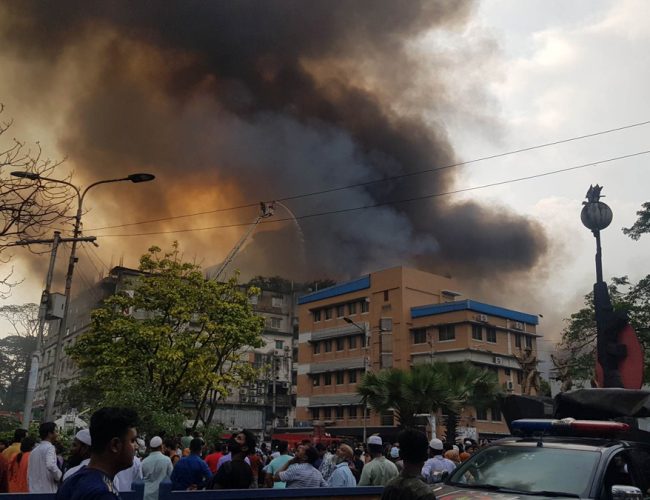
(427, 388)
(466, 384)
(405, 392)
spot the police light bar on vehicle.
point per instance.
(568, 425)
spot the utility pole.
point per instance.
(42, 316)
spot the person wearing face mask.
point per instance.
(342, 476)
(236, 474)
(191, 472)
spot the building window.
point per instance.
(328, 346)
(340, 311)
(340, 377)
(352, 342)
(496, 413)
(520, 377)
(481, 414)
(352, 308)
(517, 340)
(420, 336)
(529, 342)
(365, 306)
(477, 332)
(352, 376)
(327, 413)
(387, 418)
(328, 313)
(327, 378)
(339, 413)
(315, 413)
(446, 332)
(316, 380)
(491, 334)
(317, 315)
(340, 343)
(507, 372)
(277, 301)
(279, 344)
(316, 347)
(352, 412)
(385, 295)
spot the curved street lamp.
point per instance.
(135, 178)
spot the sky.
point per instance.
(514, 74)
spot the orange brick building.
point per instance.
(396, 318)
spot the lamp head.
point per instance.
(141, 177)
(26, 175)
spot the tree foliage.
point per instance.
(427, 389)
(642, 224)
(15, 353)
(577, 358)
(28, 209)
(175, 338)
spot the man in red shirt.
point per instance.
(213, 458)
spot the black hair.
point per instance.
(45, 428)
(311, 454)
(413, 446)
(108, 423)
(26, 445)
(251, 440)
(375, 448)
(358, 452)
(19, 435)
(320, 447)
(283, 446)
(195, 445)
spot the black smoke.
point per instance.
(274, 98)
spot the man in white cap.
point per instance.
(155, 469)
(379, 471)
(79, 452)
(434, 467)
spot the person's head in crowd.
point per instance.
(47, 432)
(113, 434)
(453, 455)
(26, 445)
(436, 447)
(19, 435)
(283, 447)
(169, 446)
(413, 449)
(196, 445)
(464, 456)
(80, 449)
(357, 453)
(242, 443)
(394, 453)
(344, 454)
(375, 446)
(311, 455)
(156, 443)
(321, 449)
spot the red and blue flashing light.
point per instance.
(568, 425)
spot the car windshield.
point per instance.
(530, 469)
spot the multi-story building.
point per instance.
(260, 406)
(396, 318)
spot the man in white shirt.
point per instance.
(43, 473)
(80, 451)
(436, 465)
(124, 479)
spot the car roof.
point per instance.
(569, 442)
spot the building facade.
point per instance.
(397, 318)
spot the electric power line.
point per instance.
(393, 202)
(384, 179)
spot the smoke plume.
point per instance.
(233, 102)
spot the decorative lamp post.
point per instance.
(596, 215)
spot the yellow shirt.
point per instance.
(11, 451)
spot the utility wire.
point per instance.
(385, 179)
(393, 202)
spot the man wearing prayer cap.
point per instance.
(379, 471)
(79, 452)
(155, 468)
(434, 467)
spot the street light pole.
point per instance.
(366, 368)
(136, 178)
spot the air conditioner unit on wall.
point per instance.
(498, 360)
(253, 400)
(481, 317)
(509, 385)
(244, 399)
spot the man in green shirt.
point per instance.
(379, 471)
(409, 485)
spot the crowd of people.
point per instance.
(109, 457)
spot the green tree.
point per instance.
(175, 338)
(642, 224)
(429, 388)
(15, 353)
